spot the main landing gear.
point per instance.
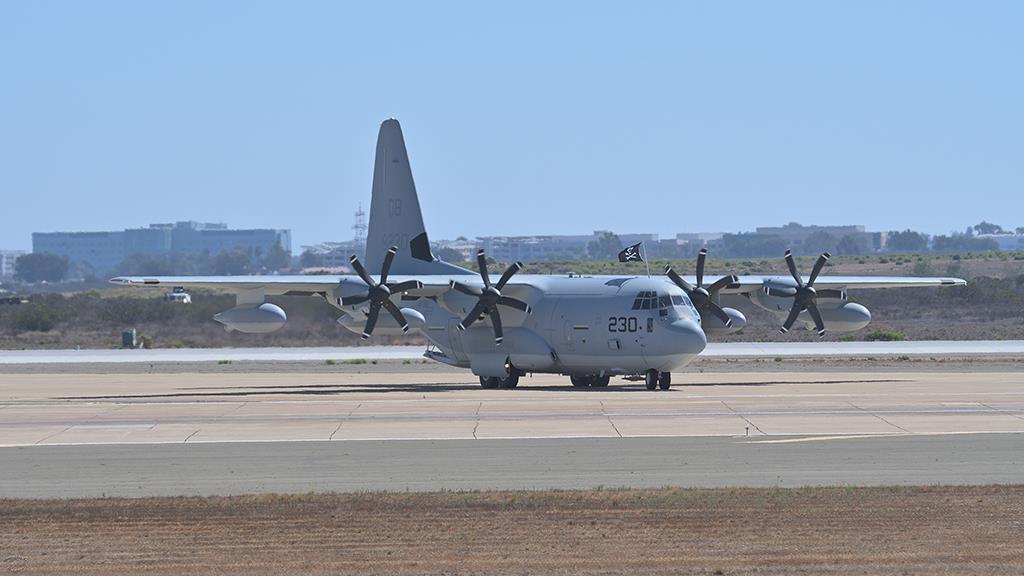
(592, 381)
(654, 379)
(491, 382)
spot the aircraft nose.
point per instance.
(688, 336)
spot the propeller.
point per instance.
(703, 297)
(490, 297)
(379, 293)
(804, 295)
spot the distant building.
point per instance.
(795, 234)
(102, 252)
(7, 259)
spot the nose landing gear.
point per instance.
(654, 379)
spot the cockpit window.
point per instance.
(650, 300)
(677, 300)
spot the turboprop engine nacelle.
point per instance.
(253, 318)
(355, 321)
(711, 324)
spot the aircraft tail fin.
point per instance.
(395, 218)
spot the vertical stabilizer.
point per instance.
(395, 218)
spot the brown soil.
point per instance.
(936, 530)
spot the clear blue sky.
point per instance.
(520, 118)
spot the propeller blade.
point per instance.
(396, 314)
(792, 268)
(357, 299)
(361, 271)
(472, 316)
(717, 311)
(509, 272)
(701, 257)
(781, 292)
(793, 313)
(481, 262)
(818, 266)
(514, 303)
(832, 293)
(678, 280)
(819, 324)
(469, 290)
(496, 321)
(389, 257)
(722, 283)
(406, 286)
(371, 320)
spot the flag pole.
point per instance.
(643, 246)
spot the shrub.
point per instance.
(34, 318)
(885, 336)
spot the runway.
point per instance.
(563, 463)
(713, 350)
(209, 433)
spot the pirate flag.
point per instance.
(631, 253)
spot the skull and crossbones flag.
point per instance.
(631, 254)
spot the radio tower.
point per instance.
(359, 242)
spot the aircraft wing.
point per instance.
(748, 284)
(278, 285)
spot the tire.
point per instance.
(489, 383)
(508, 382)
(580, 381)
(601, 382)
(665, 380)
(651, 379)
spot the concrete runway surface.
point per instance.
(205, 433)
(714, 350)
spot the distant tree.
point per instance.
(231, 263)
(852, 245)
(277, 258)
(461, 239)
(984, 227)
(793, 225)
(963, 243)
(449, 255)
(310, 259)
(818, 242)
(606, 246)
(40, 267)
(907, 241)
(1019, 230)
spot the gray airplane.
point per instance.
(502, 327)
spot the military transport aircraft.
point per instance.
(587, 327)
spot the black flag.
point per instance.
(631, 254)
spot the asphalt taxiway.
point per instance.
(207, 433)
(713, 350)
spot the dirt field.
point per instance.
(947, 530)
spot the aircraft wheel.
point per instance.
(651, 379)
(510, 381)
(580, 381)
(601, 381)
(489, 382)
(665, 380)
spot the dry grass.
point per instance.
(939, 530)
